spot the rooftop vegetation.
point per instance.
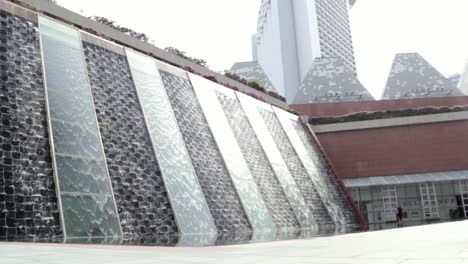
(365, 116)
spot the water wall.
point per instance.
(28, 201)
(103, 144)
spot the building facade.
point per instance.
(416, 162)
(425, 198)
(251, 71)
(330, 80)
(101, 142)
(291, 35)
(454, 79)
(412, 76)
(463, 83)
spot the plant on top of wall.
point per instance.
(253, 84)
(276, 95)
(141, 36)
(256, 85)
(184, 55)
(364, 116)
(211, 78)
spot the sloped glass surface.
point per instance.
(78, 175)
(324, 192)
(273, 194)
(298, 204)
(188, 201)
(75, 139)
(251, 198)
(88, 206)
(90, 215)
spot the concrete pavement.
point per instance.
(442, 243)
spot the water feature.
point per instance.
(326, 195)
(326, 173)
(85, 193)
(252, 201)
(286, 181)
(191, 210)
(258, 163)
(28, 201)
(217, 185)
(142, 200)
(298, 171)
(144, 153)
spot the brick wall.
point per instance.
(400, 150)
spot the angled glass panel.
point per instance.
(87, 202)
(322, 188)
(298, 204)
(249, 194)
(81, 208)
(187, 199)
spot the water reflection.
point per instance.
(195, 240)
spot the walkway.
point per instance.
(441, 244)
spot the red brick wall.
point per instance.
(336, 109)
(423, 148)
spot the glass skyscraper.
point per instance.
(292, 34)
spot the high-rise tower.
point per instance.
(292, 34)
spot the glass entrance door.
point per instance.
(429, 200)
(390, 202)
(464, 196)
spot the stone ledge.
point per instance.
(391, 122)
(82, 22)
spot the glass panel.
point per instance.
(88, 207)
(75, 139)
(400, 191)
(251, 198)
(188, 201)
(78, 175)
(90, 215)
(324, 192)
(429, 200)
(142, 64)
(280, 168)
(364, 194)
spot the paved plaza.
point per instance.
(441, 243)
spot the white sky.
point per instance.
(219, 30)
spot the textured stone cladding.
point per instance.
(223, 201)
(412, 76)
(326, 173)
(298, 172)
(259, 165)
(142, 201)
(330, 80)
(28, 202)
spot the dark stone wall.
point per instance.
(298, 172)
(28, 202)
(216, 183)
(142, 201)
(326, 173)
(259, 165)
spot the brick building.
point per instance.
(417, 162)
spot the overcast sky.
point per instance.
(219, 30)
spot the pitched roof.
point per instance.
(330, 80)
(412, 76)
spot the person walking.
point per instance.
(399, 216)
